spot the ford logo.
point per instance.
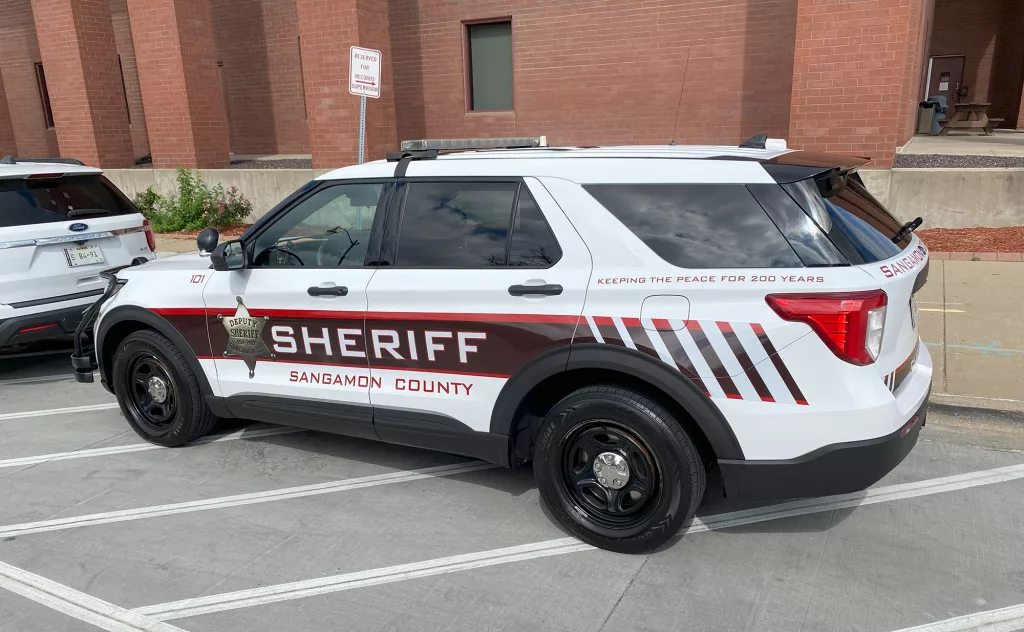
(78, 227)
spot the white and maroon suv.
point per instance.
(627, 318)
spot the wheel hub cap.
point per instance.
(157, 389)
(611, 470)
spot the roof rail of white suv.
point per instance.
(13, 167)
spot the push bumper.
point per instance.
(84, 358)
(58, 323)
(835, 469)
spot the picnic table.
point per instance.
(970, 117)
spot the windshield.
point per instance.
(856, 222)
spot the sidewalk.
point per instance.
(971, 323)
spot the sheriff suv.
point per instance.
(61, 223)
(628, 319)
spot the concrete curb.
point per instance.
(971, 402)
(977, 256)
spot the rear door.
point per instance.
(57, 232)
(482, 277)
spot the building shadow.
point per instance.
(240, 36)
(410, 101)
(1007, 78)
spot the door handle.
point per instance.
(549, 289)
(337, 290)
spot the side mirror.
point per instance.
(230, 255)
(207, 240)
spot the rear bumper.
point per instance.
(58, 323)
(835, 469)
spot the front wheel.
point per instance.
(617, 470)
(158, 392)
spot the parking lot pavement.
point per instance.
(268, 528)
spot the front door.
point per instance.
(302, 297)
(946, 79)
(481, 278)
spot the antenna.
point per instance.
(680, 104)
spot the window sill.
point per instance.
(501, 113)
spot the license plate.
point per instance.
(83, 256)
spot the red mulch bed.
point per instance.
(1010, 239)
(230, 231)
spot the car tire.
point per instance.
(654, 478)
(158, 392)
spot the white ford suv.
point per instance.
(61, 223)
(629, 319)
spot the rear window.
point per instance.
(699, 225)
(857, 223)
(42, 201)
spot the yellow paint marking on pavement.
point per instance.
(948, 311)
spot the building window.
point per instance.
(490, 65)
(124, 90)
(44, 96)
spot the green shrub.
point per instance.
(194, 206)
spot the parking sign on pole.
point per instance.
(363, 81)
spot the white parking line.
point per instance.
(57, 411)
(561, 546)
(141, 447)
(222, 502)
(1009, 619)
(76, 604)
(35, 380)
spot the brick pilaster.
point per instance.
(850, 75)
(76, 42)
(327, 28)
(8, 146)
(181, 90)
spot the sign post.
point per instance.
(363, 81)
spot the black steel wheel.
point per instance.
(151, 393)
(617, 470)
(610, 473)
(158, 391)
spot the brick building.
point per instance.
(192, 81)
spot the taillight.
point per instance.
(150, 237)
(850, 323)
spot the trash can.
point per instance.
(925, 117)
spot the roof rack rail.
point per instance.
(466, 144)
(11, 160)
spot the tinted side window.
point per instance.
(699, 225)
(41, 201)
(532, 244)
(455, 224)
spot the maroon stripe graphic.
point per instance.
(714, 363)
(745, 363)
(608, 330)
(675, 349)
(780, 366)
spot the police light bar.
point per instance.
(463, 144)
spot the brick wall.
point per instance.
(990, 33)
(602, 71)
(180, 83)
(19, 52)
(130, 72)
(258, 45)
(76, 40)
(850, 77)
(7, 143)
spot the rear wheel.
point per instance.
(158, 392)
(617, 470)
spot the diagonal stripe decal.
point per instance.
(714, 362)
(723, 359)
(780, 366)
(748, 367)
